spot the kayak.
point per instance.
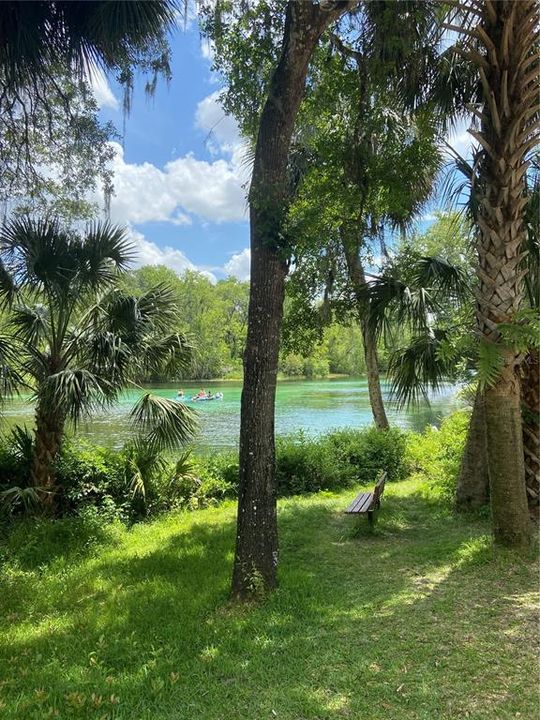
(206, 398)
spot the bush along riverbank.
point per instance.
(129, 485)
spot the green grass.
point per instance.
(419, 620)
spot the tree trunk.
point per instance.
(506, 466)
(256, 556)
(48, 439)
(473, 482)
(373, 377)
(530, 400)
(505, 35)
(357, 277)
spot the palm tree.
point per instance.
(76, 340)
(415, 299)
(499, 39)
(117, 35)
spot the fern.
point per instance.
(490, 361)
(524, 332)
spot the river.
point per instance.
(316, 406)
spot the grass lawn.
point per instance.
(419, 620)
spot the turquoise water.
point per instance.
(315, 406)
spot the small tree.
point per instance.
(76, 340)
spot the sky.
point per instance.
(180, 175)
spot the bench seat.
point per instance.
(361, 503)
(368, 503)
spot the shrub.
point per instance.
(93, 476)
(436, 454)
(308, 465)
(135, 483)
(369, 451)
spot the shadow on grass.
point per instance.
(33, 543)
(152, 625)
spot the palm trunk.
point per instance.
(473, 482)
(505, 459)
(506, 33)
(48, 439)
(530, 399)
(256, 556)
(358, 280)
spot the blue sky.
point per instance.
(180, 174)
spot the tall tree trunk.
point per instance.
(373, 376)
(530, 399)
(256, 556)
(358, 280)
(505, 34)
(473, 482)
(48, 439)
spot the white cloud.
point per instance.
(211, 190)
(207, 49)
(211, 118)
(461, 140)
(239, 265)
(148, 253)
(102, 91)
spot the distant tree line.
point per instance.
(213, 316)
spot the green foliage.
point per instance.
(309, 465)
(436, 455)
(53, 149)
(138, 481)
(524, 332)
(490, 362)
(214, 318)
(339, 459)
(370, 450)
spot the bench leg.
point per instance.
(372, 516)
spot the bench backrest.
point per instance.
(379, 486)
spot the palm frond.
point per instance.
(165, 424)
(21, 442)
(8, 289)
(11, 377)
(437, 273)
(166, 355)
(158, 305)
(106, 250)
(36, 253)
(393, 301)
(75, 392)
(29, 498)
(490, 362)
(30, 323)
(144, 462)
(419, 368)
(110, 34)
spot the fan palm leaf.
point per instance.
(164, 424)
(420, 367)
(75, 393)
(110, 33)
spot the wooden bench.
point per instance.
(368, 503)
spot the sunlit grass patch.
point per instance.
(419, 619)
